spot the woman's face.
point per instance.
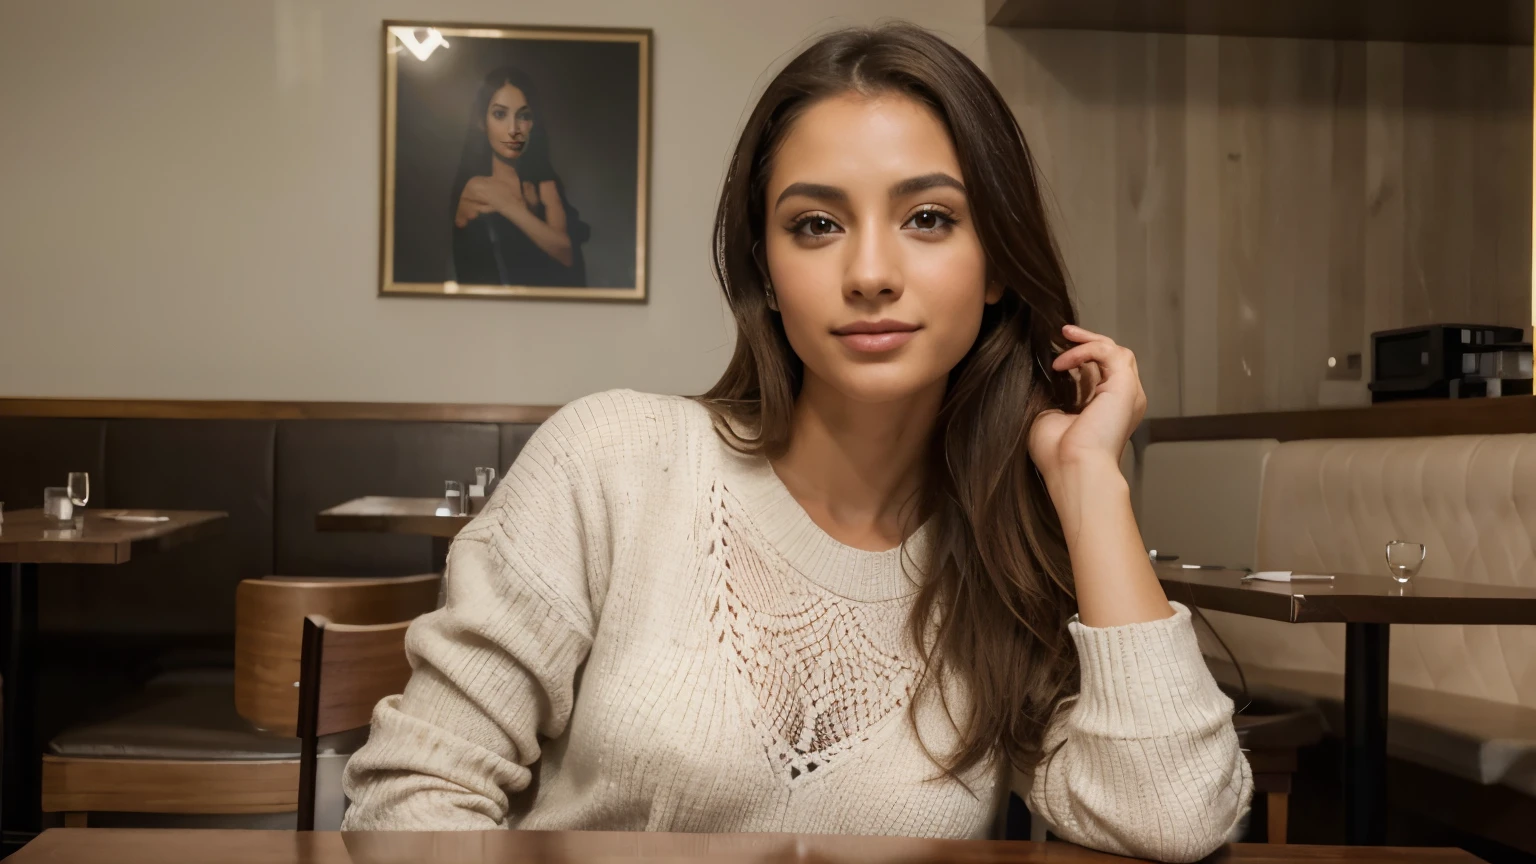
(880, 276)
(508, 122)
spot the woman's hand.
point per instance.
(483, 195)
(469, 210)
(1079, 457)
(1107, 377)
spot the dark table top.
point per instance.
(28, 537)
(143, 846)
(1351, 598)
(382, 514)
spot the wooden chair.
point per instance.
(345, 671)
(269, 630)
(1271, 735)
(215, 741)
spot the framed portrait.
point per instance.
(516, 161)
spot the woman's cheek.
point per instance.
(955, 294)
(799, 327)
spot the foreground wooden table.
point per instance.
(1367, 606)
(121, 846)
(28, 539)
(383, 514)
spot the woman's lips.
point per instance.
(874, 343)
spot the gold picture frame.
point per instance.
(591, 85)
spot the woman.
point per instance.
(837, 592)
(511, 222)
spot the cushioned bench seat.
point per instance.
(186, 719)
(1479, 740)
(188, 714)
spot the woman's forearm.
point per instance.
(1115, 581)
(555, 243)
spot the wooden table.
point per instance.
(140, 846)
(383, 514)
(1367, 606)
(28, 539)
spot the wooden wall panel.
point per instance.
(1240, 210)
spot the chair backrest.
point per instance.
(345, 670)
(269, 630)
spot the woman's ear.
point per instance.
(994, 292)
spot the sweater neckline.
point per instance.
(855, 574)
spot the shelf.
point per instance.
(1498, 416)
(1498, 22)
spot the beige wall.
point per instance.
(189, 195)
(1240, 210)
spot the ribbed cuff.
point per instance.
(1145, 680)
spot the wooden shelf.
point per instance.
(1498, 22)
(1387, 420)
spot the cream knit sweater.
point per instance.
(644, 631)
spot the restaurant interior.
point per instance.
(244, 408)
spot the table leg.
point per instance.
(21, 768)
(1365, 733)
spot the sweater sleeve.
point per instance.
(494, 669)
(1144, 762)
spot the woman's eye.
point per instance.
(816, 226)
(930, 220)
(499, 114)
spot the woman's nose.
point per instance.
(874, 270)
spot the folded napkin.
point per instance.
(136, 517)
(1285, 576)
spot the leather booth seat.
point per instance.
(271, 476)
(1463, 698)
(186, 714)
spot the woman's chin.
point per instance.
(878, 383)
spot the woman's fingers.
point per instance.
(1108, 355)
(1088, 377)
(1083, 334)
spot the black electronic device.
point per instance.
(1448, 361)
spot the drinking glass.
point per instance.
(484, 477)
(79, 488)
(1404, 559)
(56, 504)
(480, 489)
(454, 503)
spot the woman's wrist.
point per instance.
(1115, 582)
(1096, 468)
(1075, 482)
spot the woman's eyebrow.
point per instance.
(818, 191)
(835, 195)
(913, 185)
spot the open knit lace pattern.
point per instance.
(823, 673)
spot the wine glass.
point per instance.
(79, 488)
(1405, 559)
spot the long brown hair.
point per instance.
(992, 611)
